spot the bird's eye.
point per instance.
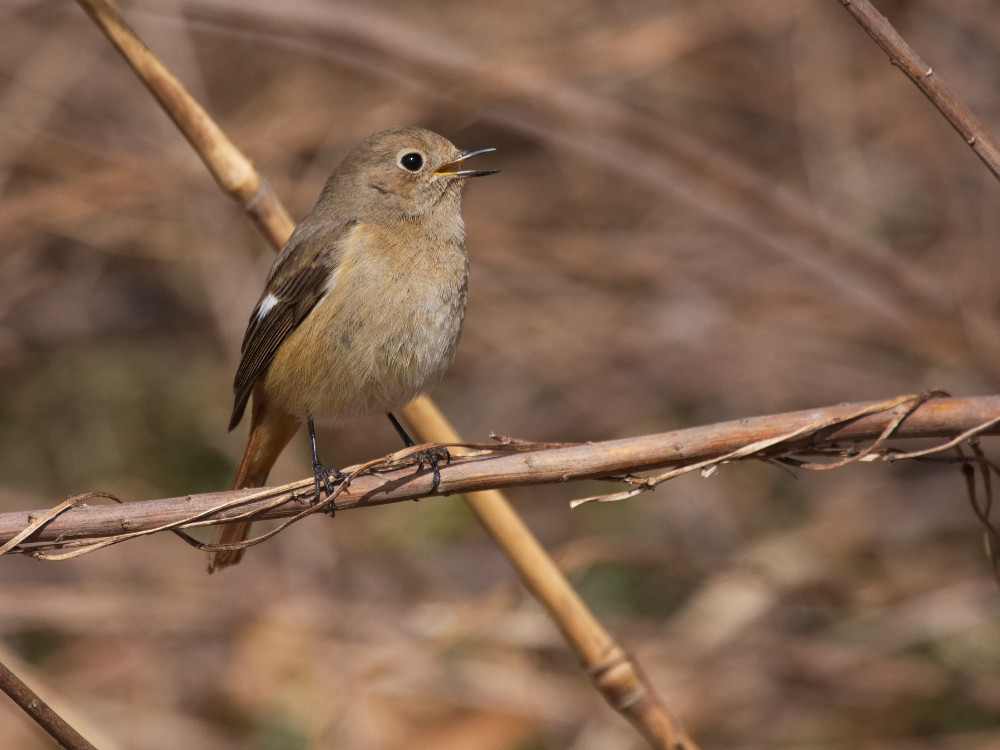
(411, 161)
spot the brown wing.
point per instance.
(297, 282)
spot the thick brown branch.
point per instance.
(939, 417)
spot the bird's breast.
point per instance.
(386, 329)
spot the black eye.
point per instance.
(412, 162)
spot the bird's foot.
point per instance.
(323, 485)
(432, 456)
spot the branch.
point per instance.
(830, 431)
(906, 59)
(39, 710)
(230, 167)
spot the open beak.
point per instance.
(451, 170)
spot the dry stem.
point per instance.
(233, 171)
(39, 710)
(934, 88)
(837, 431)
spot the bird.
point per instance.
(362, 309)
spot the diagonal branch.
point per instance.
(934, 88)
(230, 167)
(41, 712)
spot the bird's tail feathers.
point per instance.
(269, 434)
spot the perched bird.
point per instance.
(363, 307)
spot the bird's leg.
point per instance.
(430, 455)
(321, 475)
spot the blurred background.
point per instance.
(707, 210)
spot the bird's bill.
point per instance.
(450, 170)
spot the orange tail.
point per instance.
(269, 434)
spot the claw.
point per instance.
(433, 456)
(321, 475)
(430, 455)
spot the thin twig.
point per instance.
(40, 711)
(903, 56)
(991, 537)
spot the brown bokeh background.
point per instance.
(707, 210)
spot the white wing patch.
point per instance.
(265, 306)
(332, 281)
